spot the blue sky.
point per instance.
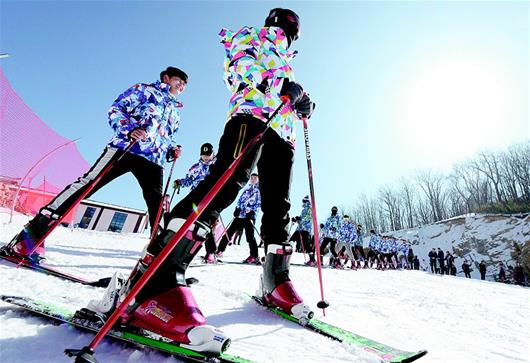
(399, 86)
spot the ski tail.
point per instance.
(49, 270)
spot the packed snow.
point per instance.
(455, 319)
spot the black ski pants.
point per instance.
(332, 243)
(274, 159)
(148, 174)
(240, 223)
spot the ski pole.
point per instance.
(225, 229)
(82, 196)
(177, 189)
(322, 304)
(154, 227)
(86, 354)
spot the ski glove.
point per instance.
(177, 183)
(292, 90)
(173, 153)
(237, 212)
(305, 106)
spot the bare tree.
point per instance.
(488, 163)
(391, 205)
(432, 184)
(408, 194)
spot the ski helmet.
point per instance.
(306, 199)
(285, 19)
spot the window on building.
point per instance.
(87, 217)
(118, 220)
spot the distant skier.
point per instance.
(257, 73)
(345, 242)
(373, 249)
(441, 261)
(245, 215)
(359, 248)
(147, 114)
(449, 263)
(199, 170)
(302, 235)
(482, 270)
(331, 231)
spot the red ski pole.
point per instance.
(82, 196)
(154, 227)
(322, 304)
(87, 353)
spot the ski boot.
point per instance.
(276, 287)
(209, 258)
(23, 244)
(251, 260)
(165, 305)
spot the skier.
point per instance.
(302, 234)
(195, 174)
(149, 116)
(359, 248)
(345, 242)
(244, 217)
(257, 72)
(402, 255)
(331, 231)
(199, 170)
(449, 262)
(373, 248)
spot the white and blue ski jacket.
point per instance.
(250, 201)
(150, 107)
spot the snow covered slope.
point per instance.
(456, 319)
(476, 237)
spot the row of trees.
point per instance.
(496, 182)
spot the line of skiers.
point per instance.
(443, 264)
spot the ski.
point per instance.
(49, 270)
(386, 353)
(139, 338)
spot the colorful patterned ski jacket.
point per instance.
(375, 243)
(359, 241)
(393, 245)
(306, 216)
(196, 173)
(331, 227)
(403, 248)
(250, 201)
(385, 246)
(347, 232)
(152, 108)
(256, 64)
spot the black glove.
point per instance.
(251, 214)
(237, 212)
(171, 153)
(292, 90)
(305, 107)
(177, 183)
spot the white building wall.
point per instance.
(104, 220)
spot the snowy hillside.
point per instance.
(476, 237)
(455, 319)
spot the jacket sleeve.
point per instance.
(188, 180)
(120, 118)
